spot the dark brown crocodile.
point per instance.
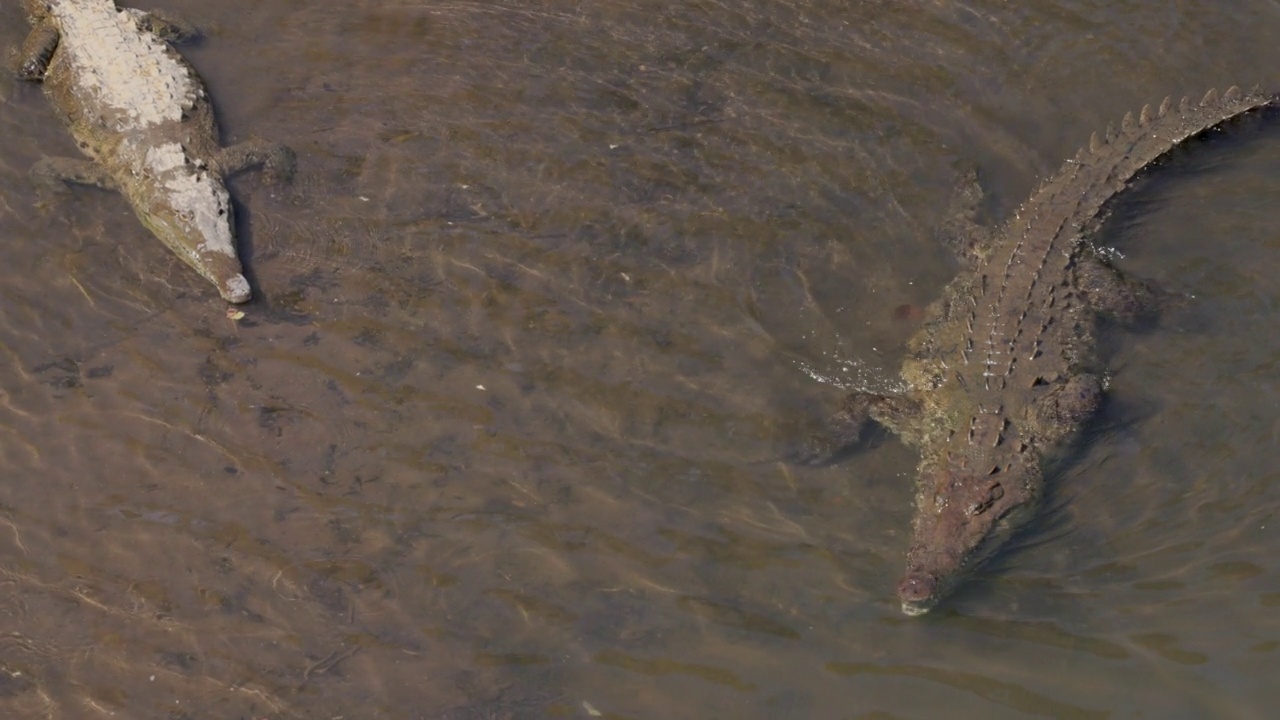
(1003, 374)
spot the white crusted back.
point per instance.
(132, 75)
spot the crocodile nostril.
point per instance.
(916, 587)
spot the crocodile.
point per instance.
(141, 113)
(1003, 375)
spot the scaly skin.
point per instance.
(136, 107)
(1003, 374)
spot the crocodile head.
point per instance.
(962, 518)
(187, 206)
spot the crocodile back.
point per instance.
(124, 78)
(1025, 325)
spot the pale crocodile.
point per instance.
(139, 110)
(1003, 374)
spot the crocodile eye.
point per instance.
(994, 493)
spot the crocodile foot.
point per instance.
(36, 52)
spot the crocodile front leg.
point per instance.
(850, 426)
(960, 229)
(52, 174)
(1110, 293)
(37, 51)
(276, 160)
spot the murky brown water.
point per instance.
(555, 284)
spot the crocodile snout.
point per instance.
(235, 289)
(917, 591)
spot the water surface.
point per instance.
(555, 285)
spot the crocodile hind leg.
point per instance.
(850, 426)
(37, 51)
(1110, 293)
(276, 160)
(1067, 406)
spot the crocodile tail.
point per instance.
(1105, 166)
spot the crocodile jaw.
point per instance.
(962, 518)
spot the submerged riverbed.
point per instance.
(555, 286)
